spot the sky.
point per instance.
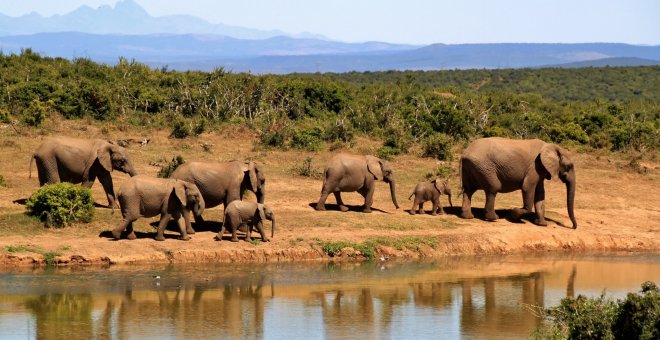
(410, 21)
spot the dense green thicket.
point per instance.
(61, 204)
(635, 317)
(612, 107)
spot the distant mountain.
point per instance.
(287, 55)
(612, 62)
(167, 48)
(127, 17)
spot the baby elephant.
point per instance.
(144, 196)
(253, 214)
(430, 191)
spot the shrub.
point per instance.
(273, 138)
(307, 139)
(3, 182)
(635, 317)
(61, 204)
(387, 152)
(438, 146)
(180, 129)
(306, 169)
(36, 113)
(167, 169)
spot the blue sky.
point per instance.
(411, 21)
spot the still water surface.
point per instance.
(451, 298)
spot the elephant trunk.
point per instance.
(449, 197)
(198, 208)
(261, 194)
(393, 193)
(570, 199)
(130, 170)
(272, 228)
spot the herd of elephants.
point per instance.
(495, 165)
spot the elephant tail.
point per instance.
(460, 176)
(31, 160)
(411, 195)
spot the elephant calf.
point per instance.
(253, 214)
(143, 196)
(430, 191)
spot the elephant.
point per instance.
(253, 214)
(430, 191)
(81, 161)
(358, 173)
(144, 196)
(222, 183)
(504, 165)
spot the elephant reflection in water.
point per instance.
(236, 309)
(487, 317)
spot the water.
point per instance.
(451, 298)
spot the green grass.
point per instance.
(369, 247)
(19, 223)
(49, 256)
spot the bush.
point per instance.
(3, 182)
(180, 129)
(635, 317)
(438, 146)
(35, 114)
(61, 204)
(273, 138)
(306, 169)
(167, 170)
(307, 139)
(387, 152)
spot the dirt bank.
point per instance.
(616, 208)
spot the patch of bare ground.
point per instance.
(616, 209)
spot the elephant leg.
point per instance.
(248, 232)
(528, 202)
(186, 219)
(368, 199)
(116, 233)
(437, 206)
(260, 228)
(234, 237)
(164, 220)
(218, 236)
(320, 206)
(130, 233)
(106, 182)
(182, 228)
(539, 205)
(490, 207)
(414, 207)
(340, 203)
(466, 210)
(420, 207)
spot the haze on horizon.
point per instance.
(410, 22)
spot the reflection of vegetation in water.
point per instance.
(59, 315)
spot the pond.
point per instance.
(455, 297)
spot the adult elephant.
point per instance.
(223, 182)
(505, 165)
(347, 173)
(74, 160)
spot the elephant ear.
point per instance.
(550, 159)
(375, 166)
(262, 215)
(252, 170)
(103, 154)
(180, 192)
(439, 185)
